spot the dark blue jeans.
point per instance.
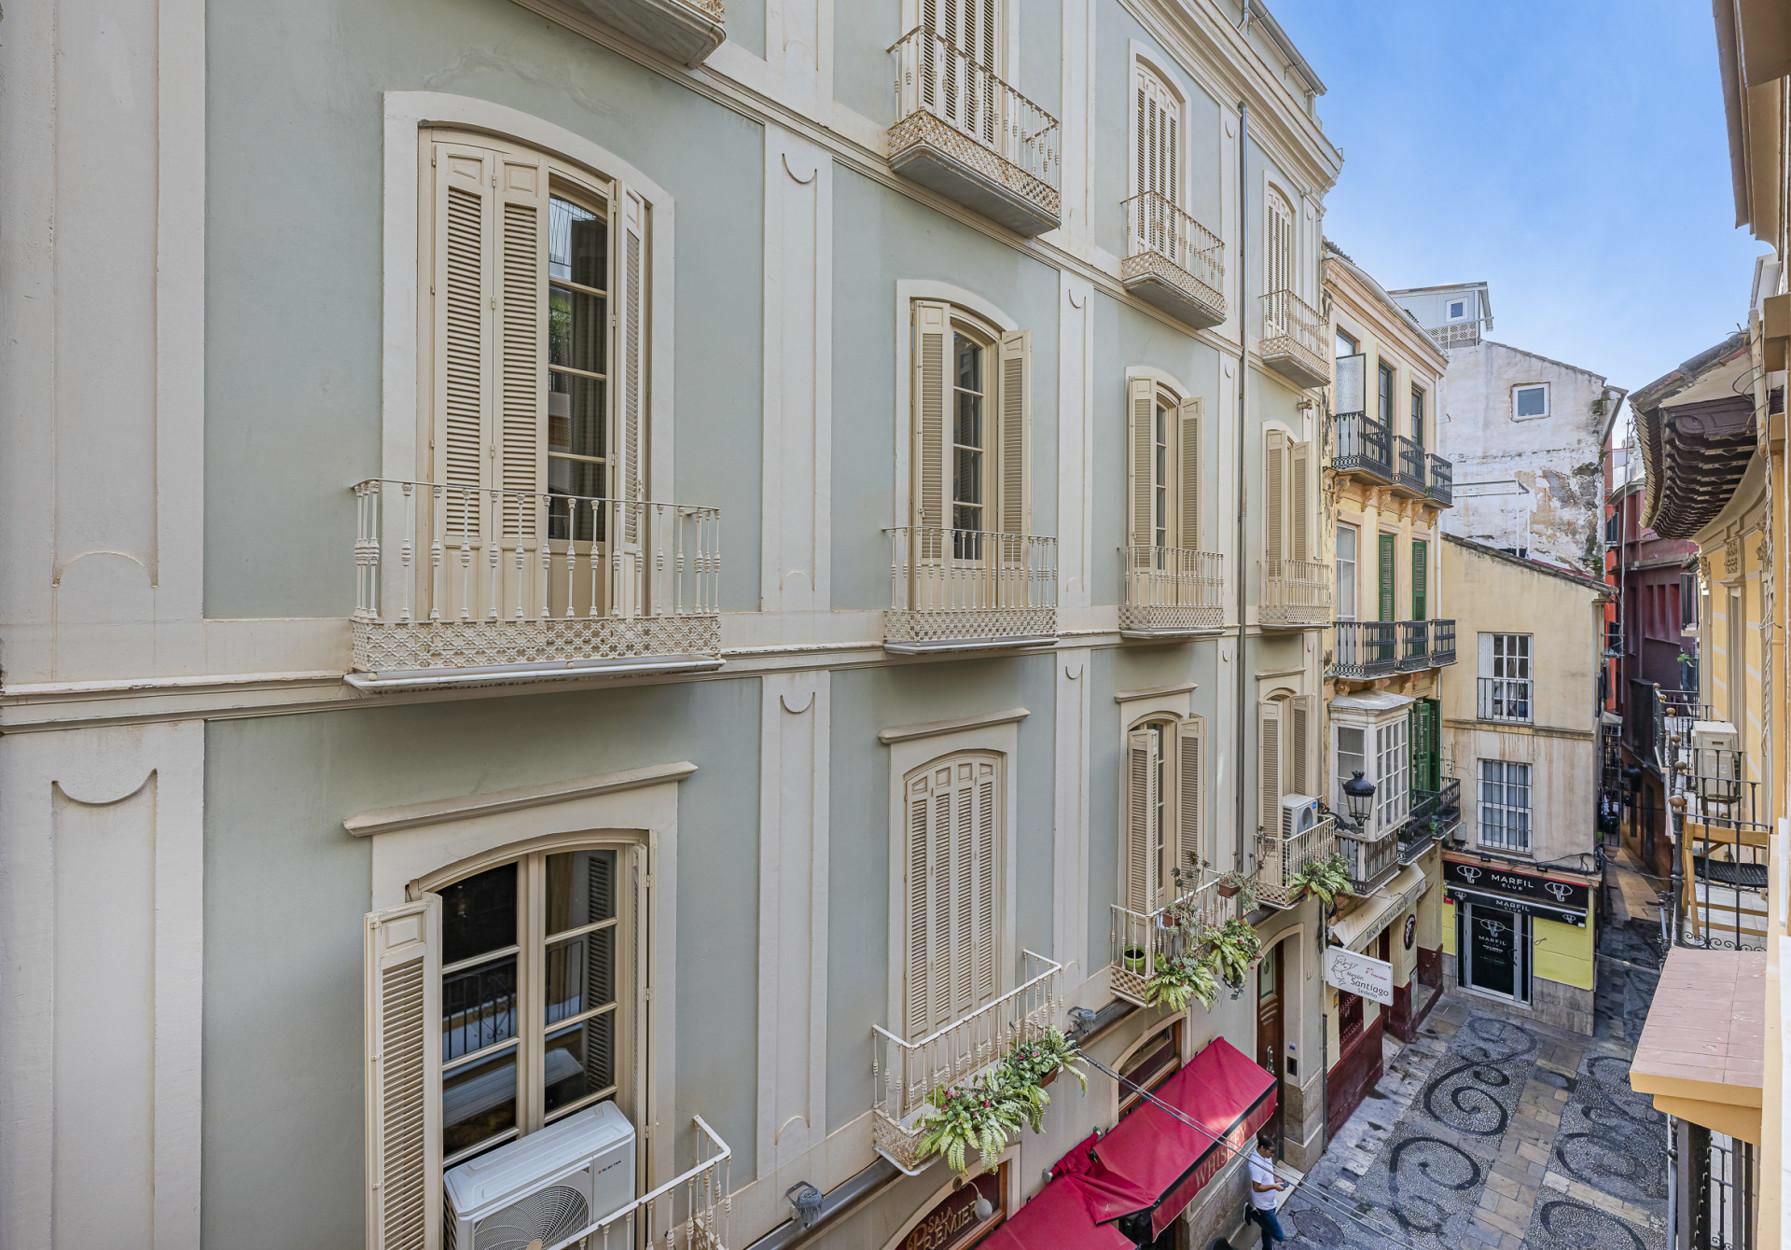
(1270, 1223)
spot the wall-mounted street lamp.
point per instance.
(1358, 802)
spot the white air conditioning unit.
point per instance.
(540, 1189)
(1299, 814)
(1716, 761)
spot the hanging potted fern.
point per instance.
(1325, 878)
(979, 1116)
(1040, 1060)
(1232, 948)
(1181, 979)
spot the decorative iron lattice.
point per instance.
(398, 646)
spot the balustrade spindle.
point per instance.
(438, 511)
(466, 557)
(407, 554)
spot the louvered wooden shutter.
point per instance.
(1420, 580)
(932, 401)
(1279, 256)
(1015, 411)
(403, 1078)
(1305, 724)
(629, 475)
(1190, 811)
(462, 233)
(953, 849)
(1268, 766)
(1188, 485)
(521, 452)
(1141, 808)
(1300, 522)
(1274, 497)
(1141, 407)
(1387, 555)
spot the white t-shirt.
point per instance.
(1262, 1172)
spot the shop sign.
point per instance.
(953, 1225)
(1575, 896)
(1359, 974)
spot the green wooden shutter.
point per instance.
(1426, 722)
(1388, 554)
(1420, 580)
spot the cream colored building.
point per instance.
(1520, 721)
(1385, 491)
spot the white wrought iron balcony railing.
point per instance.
(954, 590)
(692, 1211)
(1280, 859)
(1293, 339)
(906, 1073)
(1295, 593)
(685, 30)
(1172, 590)
(967, 134)
(454, 584)
(1139, 938)
(1173, 261)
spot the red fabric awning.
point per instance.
(1154, 1163)
(1143, 1174)
(1057, 1218)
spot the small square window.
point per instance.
(1457, 309)
(1529, 402)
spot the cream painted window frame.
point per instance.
(406, 115)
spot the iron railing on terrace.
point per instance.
(1722, 1209)
(1675, 712)
(1295, 593)
(1442, 480)
(1361, 444)
(1370, 860)
(1365, 649)
(904, 1072)
(1461, 334)
(1280, 858)
(956, 589)
(1414, 645)
(1138, 939)
(1172, 260)
(451, 577)
(1435, 815)
(1408, 463)
(1172, 590)
(1294, 341)
(965, 132)
(1442, 641)
(1505, 699)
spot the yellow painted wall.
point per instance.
(1448, 927)
(1562, 952)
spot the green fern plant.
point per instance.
(1181, 979)
(1232, 948)
(1042, 1058)
(1325, 878)
(980, 1115)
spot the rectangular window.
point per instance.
(1418, 416)
(1505, 686)
(1457, 309)
(1389, 577)
(1688, 602)
(953, 851)
(1505, 805)
(1348, 539)
(1392, 775)
(1352, 758)
(1529, 402)
(1385, 373)
(1346, 345)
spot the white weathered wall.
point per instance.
(1555, 460)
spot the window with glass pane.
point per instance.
(1347, 538)
(1530, 401)
(1385, 376)
(1352, 758)
(1159, 834)
(1418, 416)
(1505, 805)
(969, 445)
(1346, 346)
(1160, 478)
(577, 369)
(1392, 775)
(532, 965)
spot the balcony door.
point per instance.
(1420, 580)
(1157, 169)
(953, 843)
(962, 58)
(1388, 604)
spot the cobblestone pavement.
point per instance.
(1493, 1132)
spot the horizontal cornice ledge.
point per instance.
(391, 819)
(1155, 692)
(933, 729)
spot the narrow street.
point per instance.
(1493, 1131)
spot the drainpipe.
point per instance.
(1241, 690)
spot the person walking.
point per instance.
(1263, 1188)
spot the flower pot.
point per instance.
(1133, 958)
(1045, 1081)
(1228, 889)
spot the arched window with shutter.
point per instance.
(1279, 248)
(1164, 467)
(1157, 160)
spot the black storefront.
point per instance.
(1495, 907)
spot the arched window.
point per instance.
(536, 991)
(952, 850)
(1279, 251)
(1166, 842)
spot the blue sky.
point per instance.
(1570, 152)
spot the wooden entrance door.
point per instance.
(1270, 1030)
